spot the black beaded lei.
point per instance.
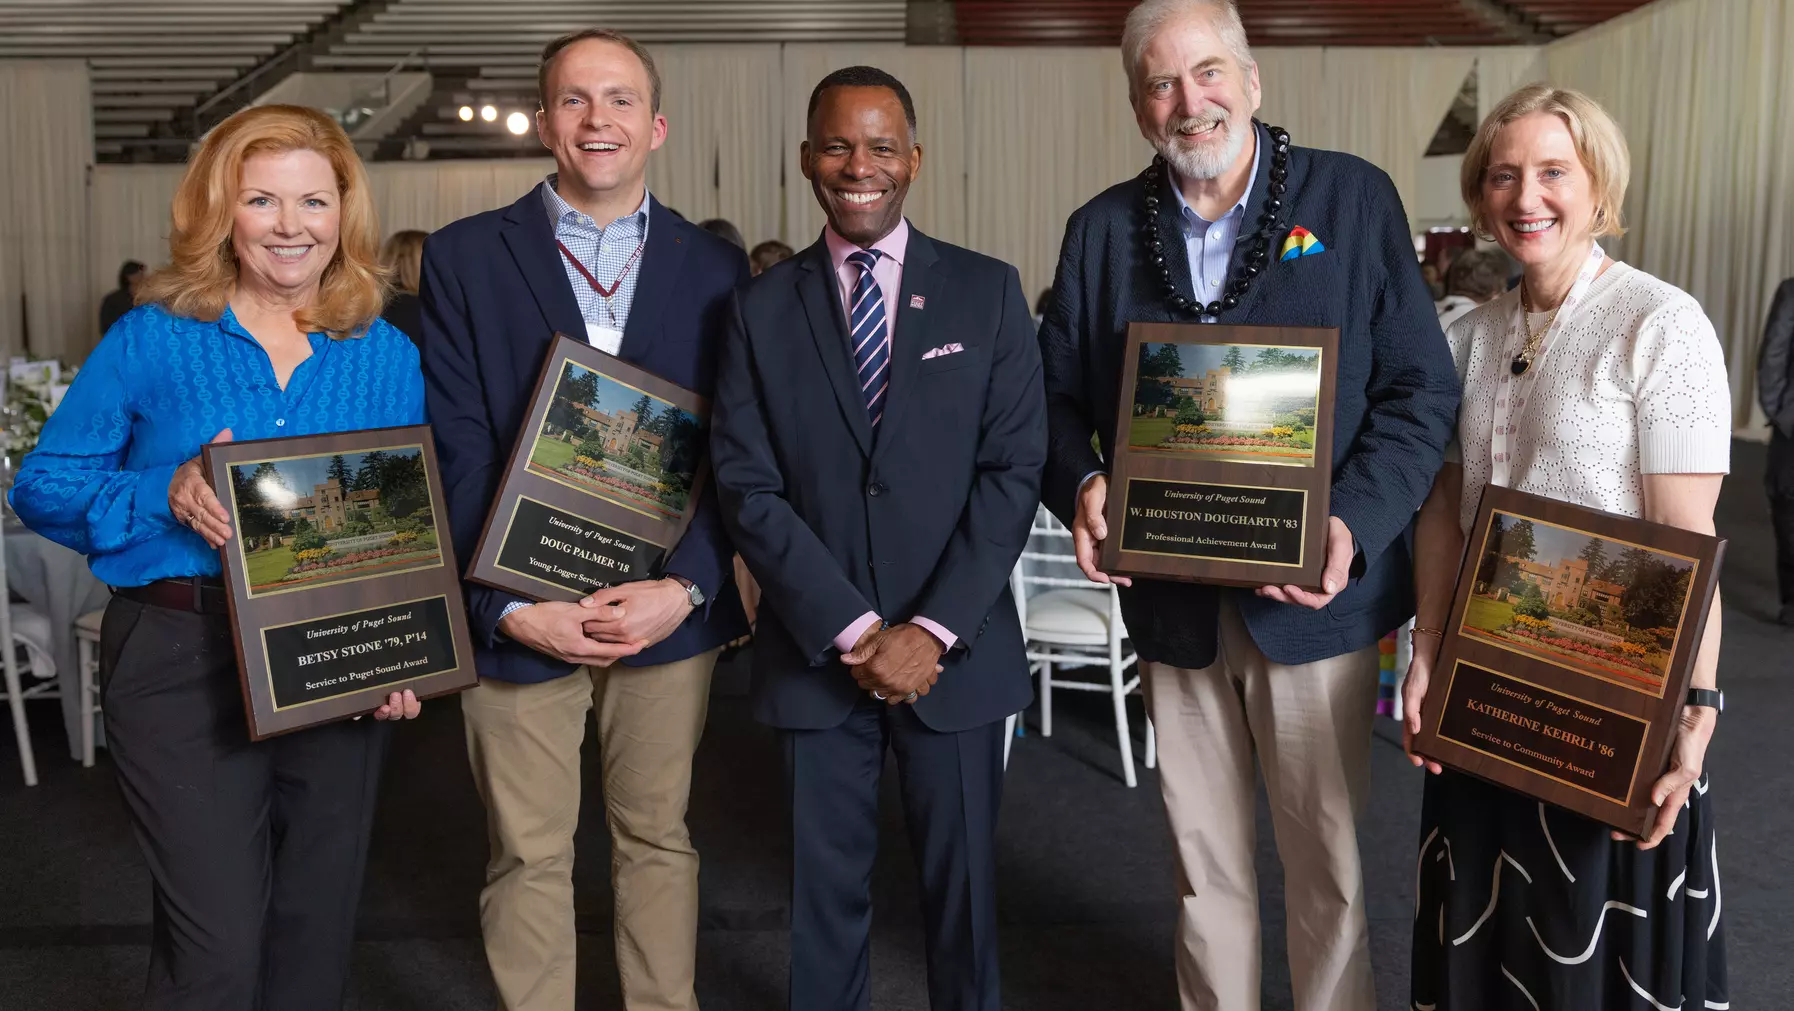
(1256, 258)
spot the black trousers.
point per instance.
(256, 849)
(951, 786)
(1779, 477)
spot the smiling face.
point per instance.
(1538, 197)
(598, 120)
(1193, 100)
(860, 159)
(287, 218)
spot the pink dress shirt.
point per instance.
(888, 272)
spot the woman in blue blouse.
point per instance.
(265, 323)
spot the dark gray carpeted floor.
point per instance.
(1085, 865)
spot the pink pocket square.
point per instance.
(944, 349)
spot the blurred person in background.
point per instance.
(1775, 389)
(120, 300)
(1476, 276)
(403, 257)
(766, 254)
(725, 230)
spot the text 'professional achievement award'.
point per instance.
(1567, 658)
(1223, 454)
(602, 482)
(342, 581)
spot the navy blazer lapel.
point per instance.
(530, 238)
(921, 283)
(1168, 225)
(661, 259)
(817, 287)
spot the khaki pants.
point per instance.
(1309, 726)
(524, 743)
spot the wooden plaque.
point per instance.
(602, 482)
(1223, 454)
(1568, 654)
(341, 576)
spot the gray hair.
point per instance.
(1145, 21)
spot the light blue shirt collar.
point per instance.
(1188, 213)
(558, 209)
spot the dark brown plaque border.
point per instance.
(1316, 481)
(519, 481)
(1659, 713)
(266, 610)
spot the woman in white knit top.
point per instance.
(1597, 384)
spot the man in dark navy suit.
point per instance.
(878, 434)
(1234, 225)
(587, 253)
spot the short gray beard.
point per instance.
(1208, 162)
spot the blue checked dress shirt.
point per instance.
(604, 251)
(159, 387)
(1210, 243)
(870, 337)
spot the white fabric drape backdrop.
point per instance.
(1704, 91)
(1016, 139)
(1047, 129)
(1501, 70)
(47, 296)
(1383, 105)
(720, 158)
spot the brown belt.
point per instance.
(198, 594)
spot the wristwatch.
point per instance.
(691, 589)
(1712, 699)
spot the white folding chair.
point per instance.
(87, 646)
(1074, 623)
(20, 625)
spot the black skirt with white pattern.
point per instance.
(1523, 906)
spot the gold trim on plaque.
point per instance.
(1637, 759)
(242, 557)
(269, 677)
(547, 473)
(1478, 635)
(498, 554)
(1302, 546)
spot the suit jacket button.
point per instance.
(875, 489)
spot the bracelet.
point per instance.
(1425, 631)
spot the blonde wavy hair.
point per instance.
(202, 269)
(1599, 144)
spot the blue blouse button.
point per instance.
(280, 422)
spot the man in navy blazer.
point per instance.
(1234, 225)
(588, 253)
(877, 438)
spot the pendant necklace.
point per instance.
(1255, 259)
(1523, 360)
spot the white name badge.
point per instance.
(605, 338)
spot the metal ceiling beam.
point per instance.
(1509, 21)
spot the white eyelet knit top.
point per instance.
(1634, 384)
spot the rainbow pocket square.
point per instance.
(1301, 242)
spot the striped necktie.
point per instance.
(869, 335)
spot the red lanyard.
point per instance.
(593, 281)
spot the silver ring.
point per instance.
(911, 697)
(878, 695)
